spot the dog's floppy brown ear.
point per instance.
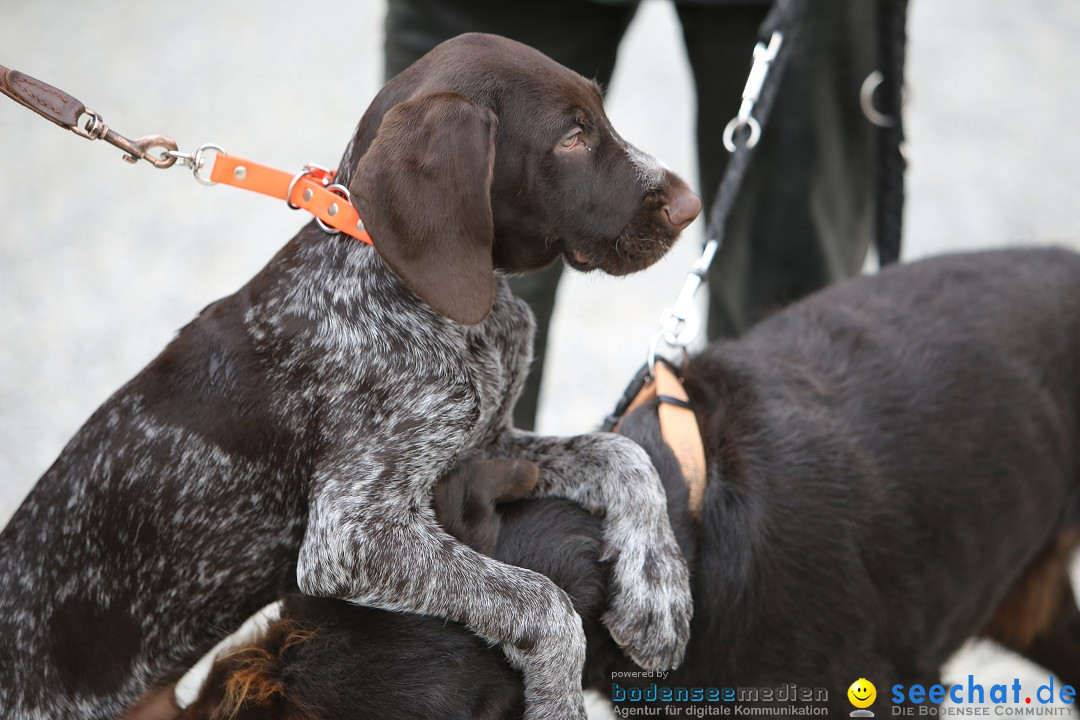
(465, 500)
(423, 190)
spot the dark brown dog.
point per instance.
(293, 433)
(894, 467)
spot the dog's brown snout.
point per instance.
(683, 207)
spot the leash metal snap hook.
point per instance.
(139, 149)
(196, 160)
(755, 81)
(734, 125)
(654, 347)
(680, 324)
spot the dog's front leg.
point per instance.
(372, 539)
(651, 606)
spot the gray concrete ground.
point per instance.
(100, 262)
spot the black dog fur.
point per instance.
(893, 469)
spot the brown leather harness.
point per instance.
(678, 424)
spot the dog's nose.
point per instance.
(683, 208)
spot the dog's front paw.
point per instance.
(551, 655)
(651, 606)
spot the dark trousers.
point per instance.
(798, 226)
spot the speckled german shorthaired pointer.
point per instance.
(294, 431)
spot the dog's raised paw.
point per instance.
(651, 606)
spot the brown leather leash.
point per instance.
(60, 108)
(312, 189)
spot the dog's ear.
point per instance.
(423, 190)
(465, 500)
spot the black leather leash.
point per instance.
(776, 38)
(784, 18)
(681, 323)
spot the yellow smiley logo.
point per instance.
(862, 693)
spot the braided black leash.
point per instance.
(777, 35)
(783, 19)
(679, 323)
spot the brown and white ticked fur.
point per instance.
(292, 434)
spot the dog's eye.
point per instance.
(572, 140)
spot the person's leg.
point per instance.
(581, 34)
(719, 43)
(804, 217)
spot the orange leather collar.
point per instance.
(312, 190)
